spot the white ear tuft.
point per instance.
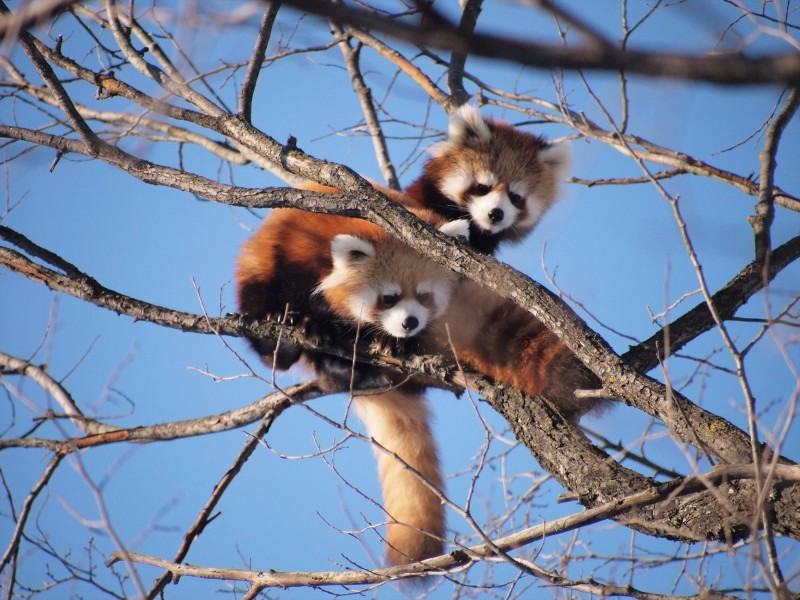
(467, 127)
(557, 157)
(348, 250)
(457, 228)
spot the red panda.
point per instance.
(501, 178)
(330, 272)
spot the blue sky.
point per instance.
(615, 249)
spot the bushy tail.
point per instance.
(400, 422)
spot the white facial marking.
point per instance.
(396, 320)
(453, 186)
(482, 206)
(441, 292)
(360, 304)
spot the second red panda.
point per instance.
(502, 178)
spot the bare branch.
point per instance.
(720, 69)
(765, 212)
(471, 10)
(27, 506)
(732, 296)
(277, 404)
(257, 60)
(364, 94)
(458, 559)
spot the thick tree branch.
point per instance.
(620, 380)
(713, 68)
(571, 457)
(733, 295)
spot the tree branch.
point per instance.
(732, 296)
(461, 558)
(713, 68)
(765, 211)
(257, 60)
(364, 94)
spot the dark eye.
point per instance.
(389, 300)
(517, 200)
(424, 298)
(479, 189)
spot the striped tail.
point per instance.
(400, 422)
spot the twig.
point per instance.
(148, 70)
(764, 209)
(471, 10)
(25, 511)
(364, 94)
(402, 63)
(728, 299)
(204, 517)
(89, 138)
(257, 60)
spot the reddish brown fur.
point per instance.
(400, 423)
(282, 264)
(476, 145)
(497, 338)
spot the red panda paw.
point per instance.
(390, 346)
(310, 330)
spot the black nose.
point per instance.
(410, 323)
(496, 215)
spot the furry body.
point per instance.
(280, 268)
(329, 273)
(494, 336)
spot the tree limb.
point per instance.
(713, 68)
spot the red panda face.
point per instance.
(387, 284)
(504, 178)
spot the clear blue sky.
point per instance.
(615, 249)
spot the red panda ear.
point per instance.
(347, 250)
(467, 127)
(557, 157)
